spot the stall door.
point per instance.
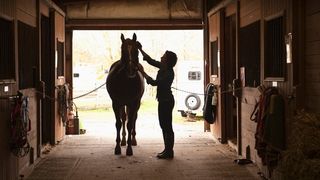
(47, 78)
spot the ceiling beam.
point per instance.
(132, 24)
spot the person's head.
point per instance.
(170, 58)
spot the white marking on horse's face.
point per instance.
(129, 50)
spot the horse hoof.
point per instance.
(129, 152)
(134, 142)
(117, 151)
(123, 143)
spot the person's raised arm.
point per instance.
(147, 58)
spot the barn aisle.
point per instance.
(90, 156)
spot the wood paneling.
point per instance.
(142, 9)
(312, 7)
(44, 9)
(250, 97)
(312, 48)
(313, 103)
(8, 163)
(312, 62)
(271, 7)
(26, 11)
(312, 55)
(312, 88)
(7, 8)
(313, 75)
(213, 27)
(231, 9)
(59, 35)
(59, 27)
(313, 27)
(250, 11)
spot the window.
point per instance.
(60, 56)
(249, 54)
(194, 75)
(214, 58)
(27, 56)
(7, 63)
(274, 61)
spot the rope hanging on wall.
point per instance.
(19, 126)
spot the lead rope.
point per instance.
(20, 125)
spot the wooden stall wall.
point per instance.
(25, 17)
(256, 11)
(59, 34)
(8, 163)
(312, 55)
(18, 12)
(250, 12)
(214, 37)
(26, 13)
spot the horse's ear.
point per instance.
(122, 37)
(134, 37)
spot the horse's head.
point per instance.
(130, 55)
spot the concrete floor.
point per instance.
(91, 156)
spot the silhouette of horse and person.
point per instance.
(125, 85)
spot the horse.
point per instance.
(125, 85)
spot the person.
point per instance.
(164, 96)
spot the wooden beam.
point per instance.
(110, 24)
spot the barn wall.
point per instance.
(59, 36)
(257, 11)
(142, 9)
(250, 12)
(214, 35)
(24, 11)
(8, 162)
(43, 8)
(312, 55)
(27, 13)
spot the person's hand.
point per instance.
(138, 44)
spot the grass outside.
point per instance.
(148, 106)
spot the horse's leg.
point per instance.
(116, 110)
(133, 132)
(134, 141)
(123, 118)
(129, 128)
(132, 116)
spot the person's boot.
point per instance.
(166, 155)
(168, 152)
(164, 140)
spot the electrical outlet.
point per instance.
(6, 88)
(274, 83)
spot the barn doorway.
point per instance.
(95, 51)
